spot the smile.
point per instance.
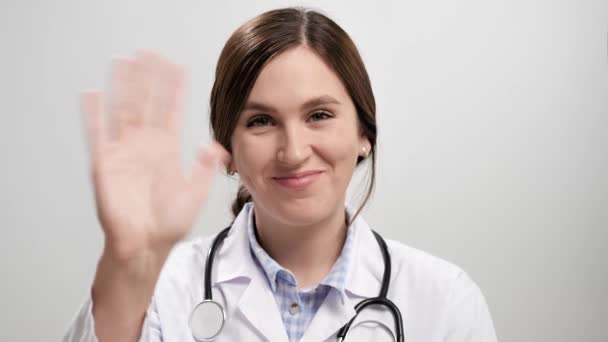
(298, 181)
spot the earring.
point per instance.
(365, 153)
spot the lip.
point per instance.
(298, 180)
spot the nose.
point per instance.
(294, 146)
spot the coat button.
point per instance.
(294, 309)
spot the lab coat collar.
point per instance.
(364, 277)
(239, 275)
(234, 257)
(363, 280)
(237, 270)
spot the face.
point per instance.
(297, 140)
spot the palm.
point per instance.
(144, 200)
(138, 186)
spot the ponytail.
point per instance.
(243, 196)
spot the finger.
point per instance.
(95, 126)
(140, 89)
(163, 91)
(169, 94)
(147, 74)
(123, 110)
(153, 67)
(203, 171)
(223, 155)
(177, 79)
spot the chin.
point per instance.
(302, 212)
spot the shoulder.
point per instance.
(423, 264)
(185, 262)
(430, 274)
(434, 282)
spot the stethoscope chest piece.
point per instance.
(207, 320)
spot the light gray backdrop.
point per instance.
(493, 148)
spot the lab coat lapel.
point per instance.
(259, 307)
(250, 294)
(332, 315)
(363, 280)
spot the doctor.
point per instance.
(293, 114)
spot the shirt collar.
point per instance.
(336, 277)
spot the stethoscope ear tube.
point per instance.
(386, 277)
(376, 301)
(209, 262)
(382, 297)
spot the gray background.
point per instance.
(492, 153)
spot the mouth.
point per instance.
(299, 180)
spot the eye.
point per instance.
(318, 116)
(259, 120)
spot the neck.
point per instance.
(309, 252)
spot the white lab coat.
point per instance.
(438, 301)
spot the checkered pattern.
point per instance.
(285, 288)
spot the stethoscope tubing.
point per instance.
(382, 298)
(208, 295)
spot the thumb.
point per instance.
(207, 160)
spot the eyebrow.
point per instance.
(314, 102)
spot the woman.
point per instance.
(293, 114)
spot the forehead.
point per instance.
(294, 77)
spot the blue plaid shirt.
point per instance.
(298, 306)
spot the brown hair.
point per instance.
(253, 44)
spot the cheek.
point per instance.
(340, 148)
(250, 158)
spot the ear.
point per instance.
(364, 142)
(230, 168)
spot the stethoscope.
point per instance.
(208, 317)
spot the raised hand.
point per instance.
(145, 202)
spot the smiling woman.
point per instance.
(294, 62)
(293, 113)
(293, 144)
